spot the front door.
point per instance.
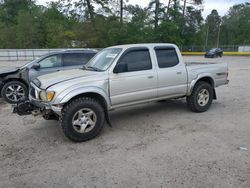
(135, 80)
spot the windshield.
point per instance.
(103, 59)
(213, 50)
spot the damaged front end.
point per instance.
(27, 108)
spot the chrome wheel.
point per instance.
(84, 120)
(14, 92)
(203, 97)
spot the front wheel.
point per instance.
(201, 98)
(82, 119)
(14, 92)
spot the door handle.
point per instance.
(178, 72)
(150, 77)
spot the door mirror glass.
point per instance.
(35, 66)
(121, 67)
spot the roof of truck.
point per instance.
(143, 45)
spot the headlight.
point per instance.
(43, 95)
(46, 96)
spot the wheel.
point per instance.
(14, 92)
(201, 98)
(82, 119)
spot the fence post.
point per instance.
(8, 55)
(17, 55)
(33, 54)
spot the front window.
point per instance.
(103, 59)
(136, 60)
(50, 62)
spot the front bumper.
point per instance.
(27, 108)
(43, 106)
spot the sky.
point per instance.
(221, 5)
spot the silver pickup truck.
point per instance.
(120, 76)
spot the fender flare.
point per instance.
(198, 78)
(66, 97)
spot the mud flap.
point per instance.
(107, 118)
(214, 94)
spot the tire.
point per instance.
(72, 117)
(14, 92)
(198, 102)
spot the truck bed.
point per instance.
(217, 71)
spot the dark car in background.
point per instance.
(214, 52)
(14, 83)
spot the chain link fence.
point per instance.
(226, 48)
(31, 54)
(27, 54)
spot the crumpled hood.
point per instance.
(8, 70)
(49, 80)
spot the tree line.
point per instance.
(102, 23)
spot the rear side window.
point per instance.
(136, 60)
(166, 57)
(76, 59)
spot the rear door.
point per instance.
(48, 65)
(75, 60)
(138, 81)
(172, 74)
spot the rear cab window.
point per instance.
(72, 59)
(166, 57)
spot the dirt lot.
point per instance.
(154, 145)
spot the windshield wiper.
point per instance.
(91, 68)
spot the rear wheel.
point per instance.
(201, 98)
(82, 119)
(14, 92)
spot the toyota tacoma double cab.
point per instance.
(119, 76)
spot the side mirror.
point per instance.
(35, 66)
(120, 67)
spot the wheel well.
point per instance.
(95, 96)
(16, 79)
(209, 80)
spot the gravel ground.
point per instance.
(153, 145)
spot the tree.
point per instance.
(195, 2)
(193, 26)
(9, 9)
(158, 11)
(28, 34)
(235, 25)
(213, 22)
(57, 27)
